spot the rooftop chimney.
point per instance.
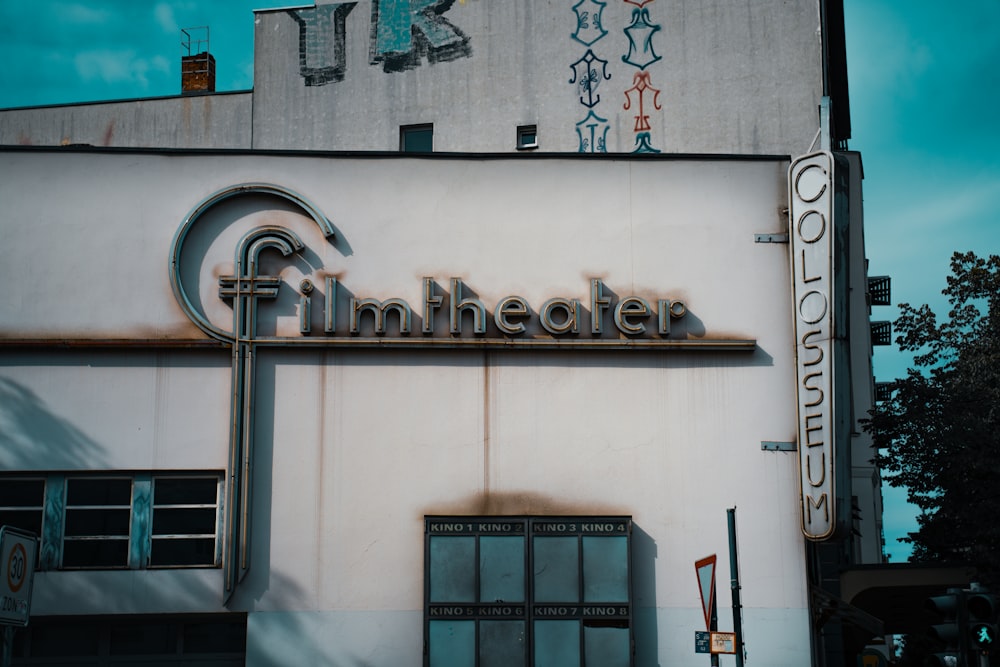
(198, 65)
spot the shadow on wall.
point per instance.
(644, 627)
(34, 437)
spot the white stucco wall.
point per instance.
(354, 447)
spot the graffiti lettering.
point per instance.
(405, 31)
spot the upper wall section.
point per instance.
(676, 76)
(623, 76)
(194, 121)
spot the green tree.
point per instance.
(939, 434)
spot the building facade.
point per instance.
(276, 393)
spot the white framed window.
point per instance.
(527, 137)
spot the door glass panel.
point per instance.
(557, 570)
(605, 569)
(557, 644)
(453, 569)
(452, 643)
(501, 569)
(502, 644)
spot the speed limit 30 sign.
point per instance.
(18, 553)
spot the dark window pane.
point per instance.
(502, 644)
(417, 139)
(182, 552)
(99, 491)
(501, 569)
(97, 522)
(607, 647)
(557, 644)
(557, 569)
(184, 491)
(95, 553)
(184, 521)
(22, 492)
(215, 637)
(605, 569)
(69, 638)
(30, 520)
(143, 639)
(452, 643)
(453, 569)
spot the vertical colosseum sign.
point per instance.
(810, 180)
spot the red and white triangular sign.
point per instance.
(705, 568)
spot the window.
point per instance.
(416, 138)
(96, 530)
(528, 591)
(202, 639)
(135, 521)
(22, 503)
(527, 137)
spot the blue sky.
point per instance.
(925, 90)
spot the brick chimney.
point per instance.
(198, 73)
(198, 65)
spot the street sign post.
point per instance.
(18, 553)
(723, 642)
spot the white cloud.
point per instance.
(164, 13)
(118, 67)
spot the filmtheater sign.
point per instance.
(332, 313)
(811, 202)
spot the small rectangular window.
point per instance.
(416, 138)
(185, 521)
(22, 503)
(528, 591)
(527, 137)
(98, 515)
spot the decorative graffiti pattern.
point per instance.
(403, 34)
(642, 96)
(590, 71)
(640, 40)
(585, 75)
(592, 131)
(640, 89)
(588, 21)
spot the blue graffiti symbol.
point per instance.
(588, 21)
(403, 31)
(585, 75)
(322, 34)
(640, 40)
(643, 143)
(593, 132)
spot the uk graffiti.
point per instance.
(404, 33)
(322, 42)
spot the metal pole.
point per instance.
(8, 644)
(734, 573)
